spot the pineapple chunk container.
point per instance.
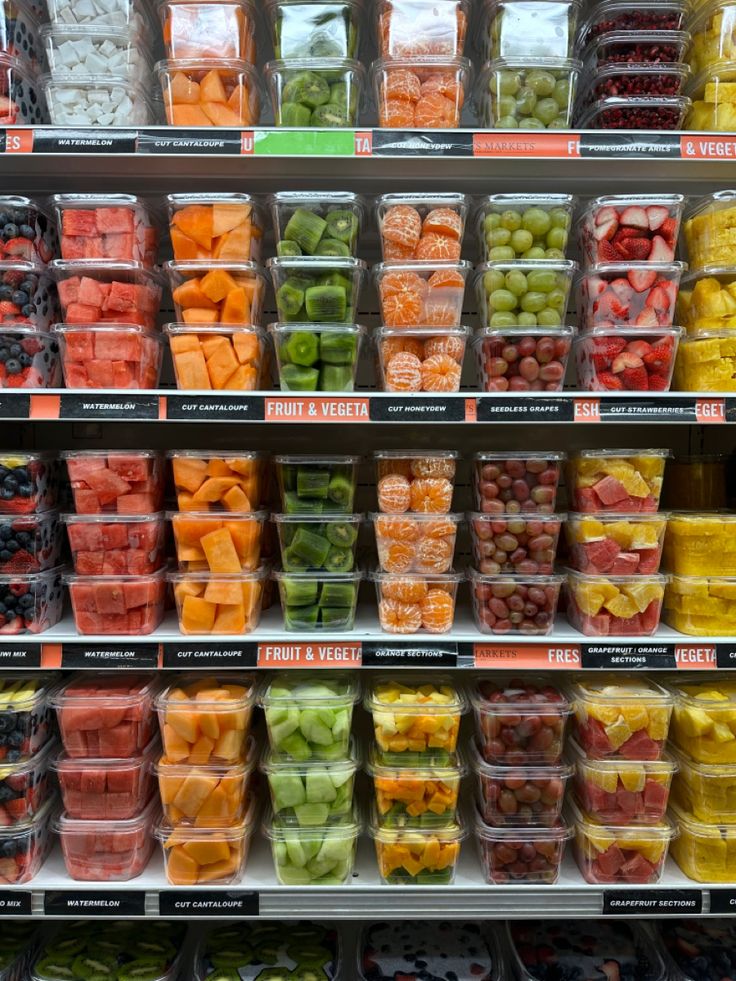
(615, 716)
(701, 544)
(702, 606)
(706, 362)
(706, 790)
(704, 719)
(704, 852)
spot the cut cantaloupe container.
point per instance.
(212, 29)
(206, 720)
(225, 544)
(206, 855)
(216, 357)
(227, 227)
(216, 92)
(217, 292)
(206, 482)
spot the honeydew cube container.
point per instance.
(327, 223)
(312, 793)
(702, 606)
(408, 786)
(322, 855)
(417, 856)
(704, 718)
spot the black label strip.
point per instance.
(188, 902)
(723, 901)
(220, 142)
(629, 656)
(90, 140)
(646, 410)
(176, 655)
(417, 409)
(653, 902)
(656, 146)
(14, 903)
(115, 407)
(20, 655)
(84, 902)
(15, 406)
(409, 655)
(522, 409)
(103, 656)
(224, 408)
(408, 143)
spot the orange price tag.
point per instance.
(364, 144)
(45, 407)
(326, 409)
(320, 654)
(247, 143)
(497, 144)
(537, 656)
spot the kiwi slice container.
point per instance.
(317, 222)
(317, 357)
(316, 289)
(318, 543)
(319, 93)
(318, 601)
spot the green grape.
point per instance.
(503, 300)
(499, 236)
(521, 240)
(542, 83)
(561, 93)
(491, 221)
(506, 122)
(525, 319)
(560, 123)
(536, 252)
(529, 122)
(502, 319)
(516, 282)
(507, 83)
(511, 220)
(546, 110)
(501, 253)
(556, 300)
(506, 106)
(533, 301)
(557, 238)
(553, 254)
(494, 279)
(560, 218)
(542, 280)
(537, 221)
(526, 100)
(548, 318)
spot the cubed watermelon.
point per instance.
(91, 292)
(99, 372)
(611, 860)
(132, 467)
(122, 297)
(79, 345)
(114, 535)
(110, 598)
(88, 563)
(77, 222)
(107, 485)
(68, 290)
(115, 220)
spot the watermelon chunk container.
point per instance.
(320, 855)
(312, 793)
(616, 543)
(317, 223)
(317, 289)
(93, 292)
(109, 716)
(110, 227)
(22, 99)
(215, 225)
(621, 481)
(29, 482)
(25, 787)
(420, 359)
(218, 543)
(421, 796)
(29, 359)
(25, 709)
(207, 794)
(126, 605)
(315, 92)
(629, 854)
(515, 482)
(28, 296)
(514, 604)
(30, 543)
(300, 29)
(31, 602)
(624, 606)
(622, 791)
(25, 846)
(202, 855)
(112, 482)
(317, 357)
(208, 291)
(204, 480)
(27, 231)
(107, 851)
(209, 91)
(525, 544)
(521, 856)
(105, 789)
(422, 543)
(209, 29)
(629, 294)
(218, 603)
(104, 545)
(317, 543)
(109, 356)
(218, 356)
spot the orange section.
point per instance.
(548, 656)
(317, 655)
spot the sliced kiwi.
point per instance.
(306, 229)
(339, 560)
(341, 225)
(220, 974)
(287, 249)
(308, 88)
(51, 968)
(65, 949)
(326, 304)
(329, 116)
(332, 247)
(341, 533)
(295, 114)
(152, 947)
(336, 279)
(144, 969)
(289, 298)
(95, 967)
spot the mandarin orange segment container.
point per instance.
(205, 481)
(418, 481)
(421, 294)
(415, 542)
(420, 93)
(421, 226)
(412, 602)
(209, 29)
(421, 359)
(222, 543)
(209, 92)
(417, 29)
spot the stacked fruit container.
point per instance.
(622, 779)
(204, 778)
(310, 768)
(317, 278)
(108, 730)
(21, 57)
(416, 771)
(627, 293)
(635, 73)
(523, 287)
(712, 58)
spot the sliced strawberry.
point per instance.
(640, 348)
(658, 299)
(606, 214)
(607, 230)
(659, 359)
(635, 249)
(31, 346)
(8, 311)
(626, 360)
(19, 248)
(607, 252)
(622, 288)
(661, 251)
(635, 379)
(624, 233)
(642, 278)
(657, 215)
(658, 383)
(647, 318)
(609, 306)
(668, 230)
(610, 381)
(605, 349)
(634, 216)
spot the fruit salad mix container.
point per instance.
(616, 544)
(621, 481)
(31, 602)
(419, 796)
(519, 797)
(690, 942)
(411, 601)
(704, 720)
(388, 949)
(524, 855)
(25, 846)
(511, 604)
(30, 482)
(418, 856)
(313, 856)
(26, 713)
(29, 359)
(701, 605)
(25, 786)
(621, 717)
(30, 542)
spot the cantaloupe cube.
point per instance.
(196, 222)
(184, 247)
(207, 851)
(211, 343)
(189, 531)
(229, 745)
(229, 620)
(189, 472)
(168, 785)
(247, 346)
(217, 467)
(181, 869)
(235, 246)
(220, 870)
(226, 217)
(220, 114)
(236, 500)
(212, 89)
(220, 551)
(183, 90)
(246, 466)
(187, 588)
(189, 553)
(194, 791)
(201, 751)
(222, 365)
(174, 815)
(189, 294)
(216, 284)
(222, 591)
(183, 115)
(177, 747)
(191, 370)
(236, 309)
(214, 487)
(251, 590)
(197, 615)
(215, 808)
(243, 379)
(199, 315)
(179, 343)
(208, 724)
(245, 537)
(186, 502)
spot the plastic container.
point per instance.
(209, 91)
(506, 221)
(316, 484)
(209, 29)
(302, 947)
(18, 937)
(620, 481)
(621, 717)
(528, 29)
(629, 294)
(420, 93)
(102, 51)
(217, 543)
(392, 948)
(318, 601)
(701, 543)
(421, 543)
(514, 482)
(410, 602)
(415, 721)
(418, 856)
(635, 112)
(620, 544)
(687, 941)
(420, 482)
(304, 29)
(712, 29)
(706, 230)
(111, 356)
(421, 294)
(31, 236)
(206, 795)
(707, 790)
(420, 359)
(25, 847)
(521, 856)
(316, 289)
(25, 709)
(106, 851)
(702, 725)
(74, 99)
(523, 544)
(111, 482)
(636, 47)
(126, 605)
(19, 33)
(520, 796)
(217, 356)
(413, 29)
(525, 293)
(527, 93)
(24, 788)
(421, 226)
(316, 856)
(208, 291)
(654, 218)
(28, 295)
(216, 225)
(109, 227)
(317, 543)
(31, 602)
(520, 721)
(30, 482)
(105, 789)
(415, 796)
(130, 14)
(231, 482)
(514, 604)
(635, 360)
(30, 543)
(707, 300)
(293, 702)
(93, 293)
(122, 545)
(316, 223)
(20, 93)
(643, 80)
(315, 92)
(316, 357)
(707, 363)
(702, 606)
(623, 15)
(697, 480)
(626, 606)
(313, 793)
(218, 603)
(206, 855)
(29, 359)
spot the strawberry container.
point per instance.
(624, 606)
(520, 224)
(514, 604)
(317, 289)
(209, 92)
(110, 227)
(30, 603)
(109, 716)
(215, 795)
(629, 294)
(111, 482)
(420, 359)
(30, 542)
(524, 93)
(74, 99)
(635, 112)
(109, 545)
(415, 542)
(25, 846)
(27, 232)
(218, 481)
(525, 544)
(127, 605)
(96, 293)
(520, 796)
(315, 92)
(301, 29)
(630, 228)
(422, 482)
(209, 29)
(317, 223)
(625, 15)
(105, 789)
(515, 482)
(19, 32)
(634, 79)
(620, 481)
(214, 542)
(219, 357)
(527, 29)
(527, 293)
(520, 721)
(412, 29)
(29, 359)
(24, 708)
(21, 102)
(621, 717)
(29, 482)
(421, 226)
(204, 855)
(421, 294)
(634, 360)
(522, 359)
(107, 851)
(628, 544)
(524, 856)
(635, 47)
(111, 356)
(24, 787)
(27, 296)
(421, 93)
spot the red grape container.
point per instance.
(24, 847)
(520, 796)
(520, 720)
(633, 360)
(24, 787)
(110, 545)
(631, 227)
(522, 359)
(514, 604)
(105, 789)
(629, 294)
(525, 544)
(516, 482)
(116, 482)
(636, 112)
(527, 856)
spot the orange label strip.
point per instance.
(548, 656)
(320, 654)
(317, 410)
(694, 657)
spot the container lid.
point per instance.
(217, 454)
(122, 690)
(151, 577)
(621, 331)
(316, 199)
(513, 580)
(663, 831)
(315, 263)
(610, 453)
(453, 769)
(519, 63)
(138, 454)
(423, 332)
(424, 267)
(197, 267)
(579, 757)
(31, 578)
(502, 692)
(65, 825)
(255, 575)
(416, 455)
(170, 698)
(62, 761)
(611, 268)
(612, 517)
(312, 328)
(295, 459)
(615, 689)
(107, 327)
(575, 578)
(61, 269)
(273, 763)
(242, 768)
(515, 331)
(524, 772)
(413, 695)
(424, 202)
(504, 202)
(194, 328)
(711, 696)
(714, 271)
(453, 831)
(10, 329)
(680, 103)
(544, 455)
(505, 517)
(412, 516)
(210, 197)
(619, 201)
(355, 576)
(687, 823)
(487, 832)
(25, 522)
(112, 518)
(703, 517)
(626, 38)
(349, 827)
(316, 519)
(213, 516)
(94, 200)
(377, 575)
(21, 691)
(237, 65)
(278, 65)
(716, 201)
(302, 689)
(238, 832)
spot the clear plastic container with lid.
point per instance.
(638, 47)
(30, 482)
(632, 294)
(655, 218)
(115, 227)
(33, 601)
(30, 358)
(421, 226)
(19, 33)
(126, 605)
(100, 51)
(133, 15)
(219, 543)
(215, 225)
(317, 543)
(422, 796)
(30, 543)
(93, 292)
(305, 29)
(74, 99)
(417, 481)
(506, 221)
(24, 705)
(317, 357)
(697, 480)
(635, 112)
(522, 93)
(219, 357)
(619, 481)
(318, 601)
(121, 544)
(116, 482)
(212, 795)
(209, 91)
(707, 790)
(418, 856)
(514, 604)
(415, 29)
(624, 15)
(25, 846)
(217, 292)
(416, 543)
(421, 294)
(528, 29)
(701, 605)
(524, 855)
(20, 93)
(317, 289)
(525, 544)
(704, 852)
(317, 223)
(707, 362)
(704, 719)
(302, 947)
(209, 29)
(24, 786)
(421, 93)
(205, 480)
(622, 717)
(713, 29)
(638, 359)
(105, 789)
(411, 602)
(318, 484)
(709, 230)
(527, 293)
(706, 300)
(694, 943)
(519, 796)
(421, 359)
(117, 356)
(35, 240)
(639, 80)
(29, 296)
(629, 544)
(311, 793)
(322, 855)
(516, 481)
(315, 92)
(521, 359)
(202, 855)
(701, 544)
(449, 950)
